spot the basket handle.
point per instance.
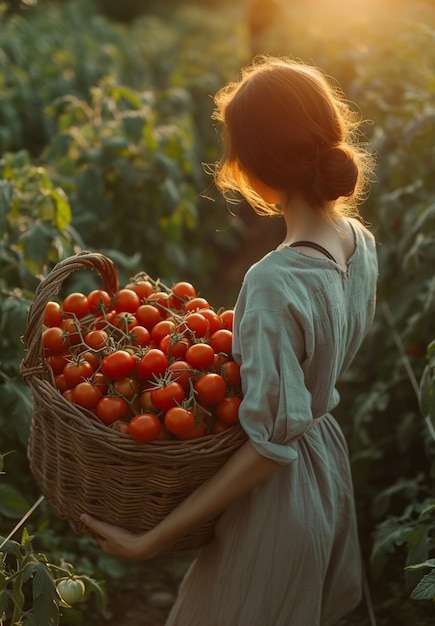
(33, 362)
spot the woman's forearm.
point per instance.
(243, 471)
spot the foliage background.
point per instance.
(104, 127)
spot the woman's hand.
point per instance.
(122, 543)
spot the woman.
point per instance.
(286, 547)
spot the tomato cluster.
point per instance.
(153, 362)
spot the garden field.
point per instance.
(105, 137)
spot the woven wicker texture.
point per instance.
(81, 465)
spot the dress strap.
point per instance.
(316, 246)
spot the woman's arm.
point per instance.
(243, 471)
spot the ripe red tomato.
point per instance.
(167, 396)
(86, 394)
(91, 358)
(227, 410)
(145, 401)
(96, 339)
(99, 301)
(77, 371)
(127, 387)
(52, 314)
(219, 427)
(99, 381)
(144, 427)
(140, 336)
(153, 364)
(61, 383)
(111, 408)
(118, 364)
(227, 318)
(196, 303)
(197, 324)
(200, 355)
(127, 300)
(222, 341)
(68, 395)
(72, 330)
(125, 321)
(179, 421)
(148, 315)
(230, 371)
(161, 329)
(143, 288)
(214, 321)
(174, 345)
(57, 362)
(199, 430)
(182, 373)
(54, 341)
(76, 304)
(181, 292)
(210, 389)
(161, 300)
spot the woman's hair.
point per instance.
(285, 125)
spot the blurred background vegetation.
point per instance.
(104, 132)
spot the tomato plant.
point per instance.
(71, 590)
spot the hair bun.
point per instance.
(336, 173)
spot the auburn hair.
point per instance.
(286, 125)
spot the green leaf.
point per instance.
(12, 503)
(389, 535)
(425, 590)
(429, 563)
(63, 209)
(45, 608)
(427, 391)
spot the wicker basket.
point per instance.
(81, 465)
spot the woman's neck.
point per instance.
(304, 222)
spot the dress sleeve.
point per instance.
(269, 344)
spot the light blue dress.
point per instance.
(287, 553)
